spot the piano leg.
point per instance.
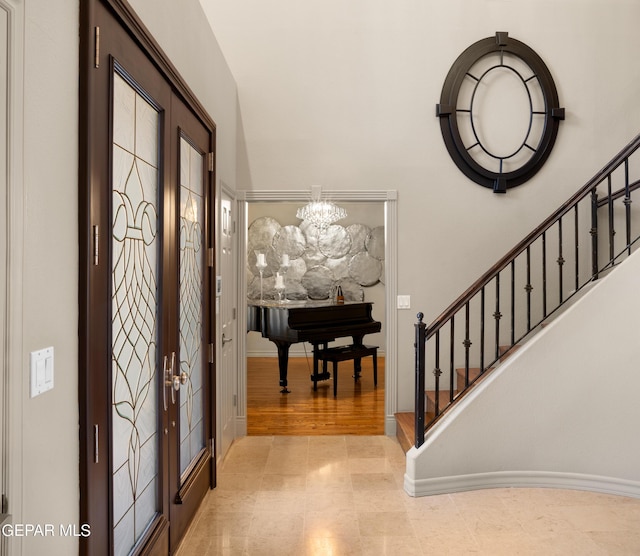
(357, 363)
(283, 363)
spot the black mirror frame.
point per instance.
(447, 108)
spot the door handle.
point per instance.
(166, 373)
(172, 381)
(178, 380)
(226, 340)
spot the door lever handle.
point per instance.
(226, 340)
(179, 379)
(166, 372)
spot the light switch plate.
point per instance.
(404, 302)
(41, 370)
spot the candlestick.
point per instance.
(261, 264)
(279, 286)
(284, 267)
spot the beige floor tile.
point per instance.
(629, 514)
(247, 466)
(274, 545)
(448, 542)
(373, 481)
(328, 480)
(193, 544)
(573, 543)
(239, 481)
(231, 501)
(423, 503)
(350, 545)
(434, 522)
(540, 522)
(343, 495)
(372, 501)
(362, 451)
(321, 501)
(385, 524)
(279, 441)
(318, 458)
(333, 523)
(320, 445)
(620, 544)
(328, 466)
(276, 524)
(369, 465)
(253, 441)
(285, 466)
(227, 546)
(224, 524)
(392, 546)
(284, 481)
(286, 501)
(588, 518)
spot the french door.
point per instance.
(146, 373)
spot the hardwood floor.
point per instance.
(358, 408)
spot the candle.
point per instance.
(262, 260)
(285, 260)
(279, 281)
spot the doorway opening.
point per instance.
(359, 407)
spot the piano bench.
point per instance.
(347, 353)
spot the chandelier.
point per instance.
(321, 214)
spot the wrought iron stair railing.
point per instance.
(573, 247)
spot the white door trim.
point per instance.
(12, 365)
(230, 294)
(390, 198)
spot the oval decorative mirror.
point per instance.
(499, 112)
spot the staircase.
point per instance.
(532, 283)
(405, 421)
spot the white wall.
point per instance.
(563, 411)
(184, 34)
(48, 459)
(343, 94)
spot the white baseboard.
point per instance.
(390, 425)
(522, 479)
(241, 426)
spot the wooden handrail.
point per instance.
(460, 302)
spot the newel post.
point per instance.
(420, 348)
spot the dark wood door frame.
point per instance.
(94, 194)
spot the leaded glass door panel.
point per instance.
(135, 315)
(192, 241)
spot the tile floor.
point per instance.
(343, 495)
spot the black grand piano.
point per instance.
(316, 322)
